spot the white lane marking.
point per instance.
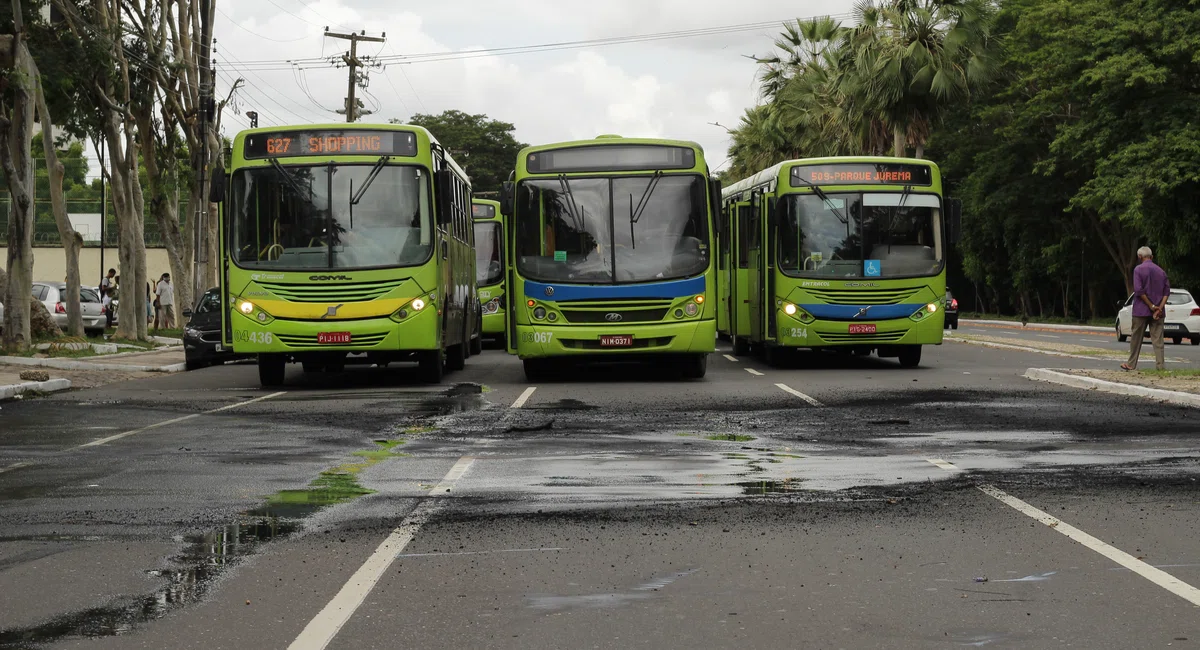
(15, 466)
(949, 467)
(731, 358)
(158, 425)
(788, 389)
(1147, 571)
(754, 372)
(506, 550)
(322, 629)
(524, 397)
(1048, 336)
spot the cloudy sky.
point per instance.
(667, 87)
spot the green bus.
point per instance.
(489, 265)
(609, 259)
(843, 253)
(347, 243)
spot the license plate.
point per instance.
(220, 348)
(1172, 326)
(862, 329)
(333, 338)
(616, 341)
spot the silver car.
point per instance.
(51, 294)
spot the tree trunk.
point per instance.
(920, 150)
(898, 140)
(71, 240)
(16, 138)
(164, 203)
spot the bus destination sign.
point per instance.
(612, 157)
(861, 174)
(336, 143)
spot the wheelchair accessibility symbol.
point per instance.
(871, 269)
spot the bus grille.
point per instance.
(359, 341)
(864, 296)
(354, 292)
(626, 315)
(843, 337)
(638, 344)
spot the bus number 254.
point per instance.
(797, 332)
(262, 338)
(536, 337)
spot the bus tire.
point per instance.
(910, 356)
(537, 370)
(741, 346)
(694, 366)
(271, 369)
(773, 355)
(432, 366)
(456, 357)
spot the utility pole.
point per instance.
(352, 61)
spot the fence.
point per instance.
(45, 230)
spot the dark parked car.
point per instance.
(202, 334)
(951, 311)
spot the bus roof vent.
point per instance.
(608, 136)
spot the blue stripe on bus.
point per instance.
(850, 312)
(568, 292)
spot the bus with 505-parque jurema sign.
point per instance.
(844, 253)
(345, 244)
(489, 265)
(610, 255)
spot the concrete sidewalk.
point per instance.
(11, 385)
(170, 360)
(1039, 327)
(1071, 377)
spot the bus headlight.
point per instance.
(539, 313)
(691, 309)
(925, 310)
(246, 307)
(789, 309)
(418, 304)
(415, 306)
(253, 311)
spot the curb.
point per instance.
(1019, 348)
(67, 364)
(1090, 383)
(52, 386)
(1043, 327)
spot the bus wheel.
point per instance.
(271, 369)
(773, 355)
(432, 366)
(312, 366)
(741, 346)
(910, 356)
(456, 357)
(694, 367)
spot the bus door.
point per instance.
(723, 236)
(754, 267)
(739, 300)
(217, 193)
(768, 248)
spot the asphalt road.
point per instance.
(1185, 352)
(842, 502)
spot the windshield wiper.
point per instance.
(291, 181)
(635, 215)
(572, 207)
(356, 198)
(824, 197)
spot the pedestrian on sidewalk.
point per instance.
(106, 285)
(166, 300)
(1150, 292)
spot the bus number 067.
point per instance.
(536, 337)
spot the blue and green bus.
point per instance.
(843, 253)
(610, 254)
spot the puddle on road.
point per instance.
(187, 579)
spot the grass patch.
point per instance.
(1055, 320)
(730, 437)
(339, 484)
(174, 333)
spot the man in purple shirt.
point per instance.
(1150, 292)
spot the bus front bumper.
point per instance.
(689, 337)
(418, 332)
(792, 333)
(493, 324)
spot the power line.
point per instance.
(256, 34)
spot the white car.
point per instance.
(1183, 318)
(51, 295)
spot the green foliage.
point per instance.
(484, 147)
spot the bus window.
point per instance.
(743, 228)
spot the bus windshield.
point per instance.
(331, 216)
(489, 267)
(612, 230)
(853, 235)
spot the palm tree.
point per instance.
(915, 58)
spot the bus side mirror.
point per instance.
(506, 198)
(216, 190)
(953, 220)
(445, 196)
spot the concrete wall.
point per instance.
(50, 264)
